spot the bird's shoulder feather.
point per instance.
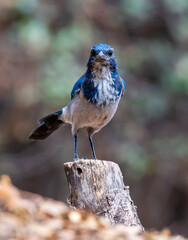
(77, 86)
(124, 86)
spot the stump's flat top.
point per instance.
(89, 161)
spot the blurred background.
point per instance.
(44, 48)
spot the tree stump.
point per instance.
(98, 186)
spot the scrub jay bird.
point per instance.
(94, 99)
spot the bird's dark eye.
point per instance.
(93, 53)
(110, 52)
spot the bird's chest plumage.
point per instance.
(105, 93)
(101, 89)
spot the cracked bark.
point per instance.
(98, 186)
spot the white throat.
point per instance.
(102, 74)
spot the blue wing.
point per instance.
(124, 86)
(77, 86)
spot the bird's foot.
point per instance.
(76, 158)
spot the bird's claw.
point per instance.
(76, 158)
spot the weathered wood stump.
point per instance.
(98, 186)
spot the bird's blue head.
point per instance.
(102, 55)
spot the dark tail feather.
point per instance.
(48, 125)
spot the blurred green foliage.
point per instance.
(140, 10)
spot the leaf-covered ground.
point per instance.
(27, 216)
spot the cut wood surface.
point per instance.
(98, 186)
